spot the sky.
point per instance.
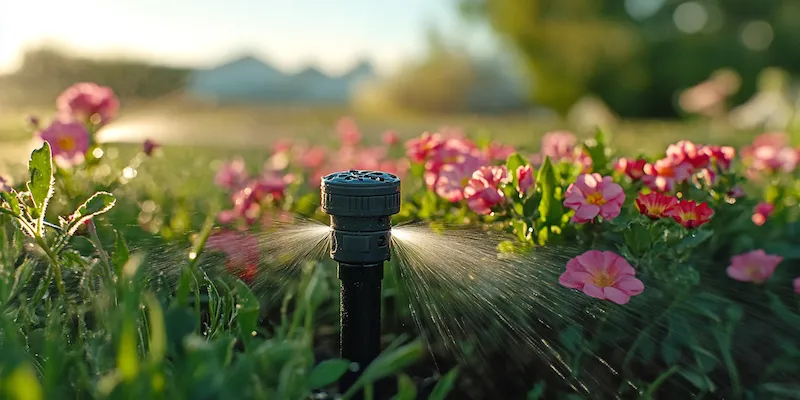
(332, 34)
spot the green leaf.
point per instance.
(783, 312)
(158, 333)
(597, 151)
(13, 203)
(520, 229)
(246, 310)
(390, 361)
(22, 384)
(537, 392)
(700, 381)
(127, 359)
(42, 182)
(786, 250)
(637, 237)
(121, 253)
(180, 323)
(550, 209)
(327, 372)
(406, 388)
(513, 162)
(99, 203)
(571, 338)
(444, 386)
(694, 239)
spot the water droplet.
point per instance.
(129, 173)
(354, 367)
(192, 255)
(253, 333)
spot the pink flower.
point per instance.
(755, 266)
(348, 131)
(665, 173)
(248, 201)
(88, 102)
(797, 285)
(281, 146)
(722, 156)
(634, 169)
(761, 212)
(314, 157)
(592, 195)
(241, 250)
(603, 275)
(452, 151)
(232, 175)
(420, 149)
(771, 153)
(452, 178)
(559, 145)
(149, 146)
(68, 140)
(499, 152)
(483, 191)
(736, 192)
(524, 179)
(390, 138)
(687, 152)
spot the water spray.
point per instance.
(361, 205)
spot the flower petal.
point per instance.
(587, 212)
(630, 285)
(592, 261)
(594, 291)
(616, 295)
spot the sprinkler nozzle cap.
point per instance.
(360, 193)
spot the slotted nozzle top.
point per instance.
(360, 193)
(361, 205)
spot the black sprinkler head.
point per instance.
(361, 205)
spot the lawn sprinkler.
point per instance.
(361, 205)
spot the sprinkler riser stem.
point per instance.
(360, 338)
(360, 204)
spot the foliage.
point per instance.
(620, 49)
(125, 296)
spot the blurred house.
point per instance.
(250, 79)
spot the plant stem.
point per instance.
(56, 267)
(103, 255)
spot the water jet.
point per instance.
(360, 204)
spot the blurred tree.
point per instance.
(446, 79)
(636, 54)
(47, 71)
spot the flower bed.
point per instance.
(682, 276)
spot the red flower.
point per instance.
(634, 169)
(690, 214)
(242, 252)
(655, 205)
